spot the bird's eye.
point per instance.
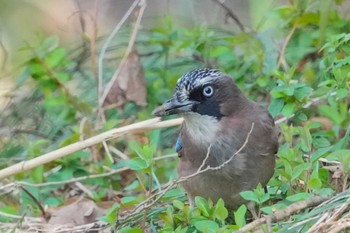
(208, 91)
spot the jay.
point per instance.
(217, 121)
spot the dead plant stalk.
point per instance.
(154, 123)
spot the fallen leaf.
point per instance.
(78, 213)
(129, 84)
(326, 124)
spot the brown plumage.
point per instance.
(217, 114)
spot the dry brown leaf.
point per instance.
(129, 85)
(326, 124)
(78, 213)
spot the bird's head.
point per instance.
(203, 91)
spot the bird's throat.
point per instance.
(201, 129)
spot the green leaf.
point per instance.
(50, 43)
(53, 201)
(314, 183)
(299, 197)
(321, 142)
(288, 109)
(132, 186)
(178, 204)
(173, 193)
(131, 230)
(239, 215)
(331, 113)
(342, 93)
(145, 152)
(306, 139)
(221, 212)
(300, 169)
(319, 153)
(36, 70)
(339, 155)
(250, 196)
(64, 77)
(202, 204)
(55, 57)
(37, 174)
(289, 90)
(301, 117)
(136, 164)
(111, 215)
(276, 107)
(343, 142)
(302, 92)
(128, 201)
(206, 226)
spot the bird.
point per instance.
(232, 138)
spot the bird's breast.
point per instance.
(200, 129)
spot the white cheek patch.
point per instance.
(201, 128)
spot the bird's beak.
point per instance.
(173, 106)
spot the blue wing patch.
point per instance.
(178, 145)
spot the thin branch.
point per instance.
(230, 13)
(317, 225)
(205, 159)
(118, 153)
(5, 56)
(107, 43)
(6, 215)
(93, 39)
(84, 189)
(127, 52)
(154, 123)
(285, 213)
(43, 213)
(150, 201)
(284, 47)
(82, 178)
(306, 105)
(340, 227)
(105, 146)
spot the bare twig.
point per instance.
(308, 104)
(6, 215)
(127, 52)
(205, 159)
(284, 47)
(154, 123)
(107, 43)
(93, 38)
(340, 211)
(82, 178)
(340, 227)
(230, 13)
(317, 225)
(84, 189)
(345, 181)
(105, 146)
(5, 56)
(80, 13)
(118, 153)
(43, 213)
(285, 213)
(150, 201)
